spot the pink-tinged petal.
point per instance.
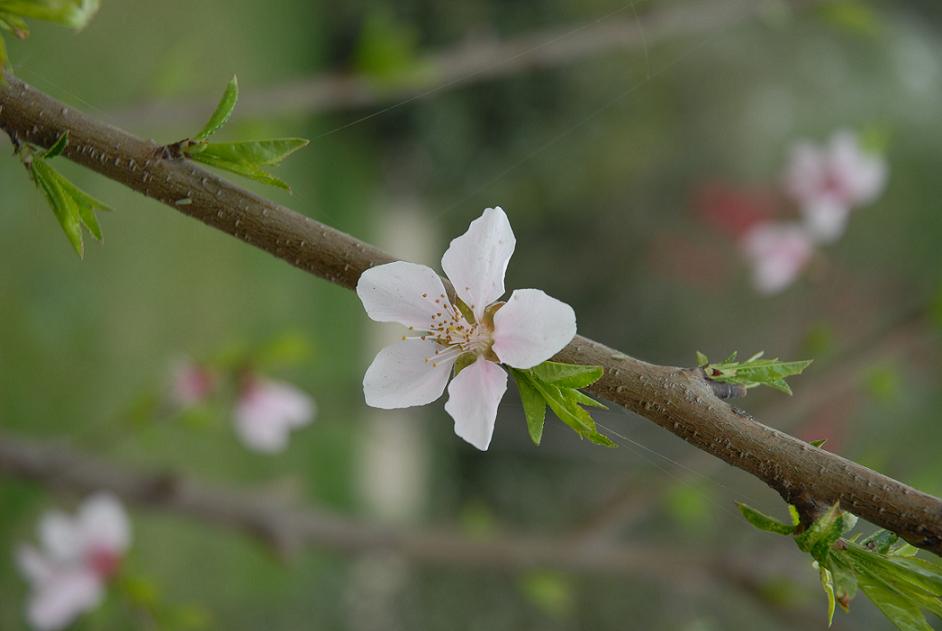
(191, 384)
(473, 397)
(407, 373)
(62, 598)
(476, 261)
(60, 536)
(267, 411)
(33, 565)
(825, 220)
(777, 253)
(864, 173)
(531, 328)
(402, 292)
(104, 524)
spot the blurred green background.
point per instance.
(598, 163)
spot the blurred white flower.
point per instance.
(267, 411)
(76, 558)
(828, 182)
(777, 254)
(191, 384)
(525, 331)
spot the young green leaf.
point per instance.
(702, 360)
(57, 147)
(72, 206)
(248, 170)
(567, 375)
(534, 407)
(248, 158)
(583, 399)
(753, 372)
(828, 586)
(259, 152)
(72, 13)
(900, 610)
(63, 206)
(3, 57)
(222, 112)
(763, 522)
(818, 538)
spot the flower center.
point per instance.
(103, 562)
(454, 334)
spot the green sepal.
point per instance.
(764, 522)
(222, 113)
(464, 360)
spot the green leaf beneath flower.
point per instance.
(534, 407)
(567, 375)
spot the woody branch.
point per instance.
(677, 399)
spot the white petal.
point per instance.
(33, 565)
(267, 411)
(60, 536)
(531, 328)
(62, 598)
(402, 292)
(406, 373)
(104, 524)
(476, 261)
(473, 397)
(825, 220)
(777, 253)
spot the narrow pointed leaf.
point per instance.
(583, 399)
(534, 407)
(222, 113)
(57, 147)
(828, 586)
(567, 375)
(63, 206)
(258, 152)
(246, 170)
(764, 522)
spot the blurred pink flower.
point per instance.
(191, 384)
(77, 557)
(525, 331)
(267, 411)
(828, 182)
(777, 253)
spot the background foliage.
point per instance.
(604, 206)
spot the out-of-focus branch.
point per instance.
(288, 528)
(470, 62)
(677, 399)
